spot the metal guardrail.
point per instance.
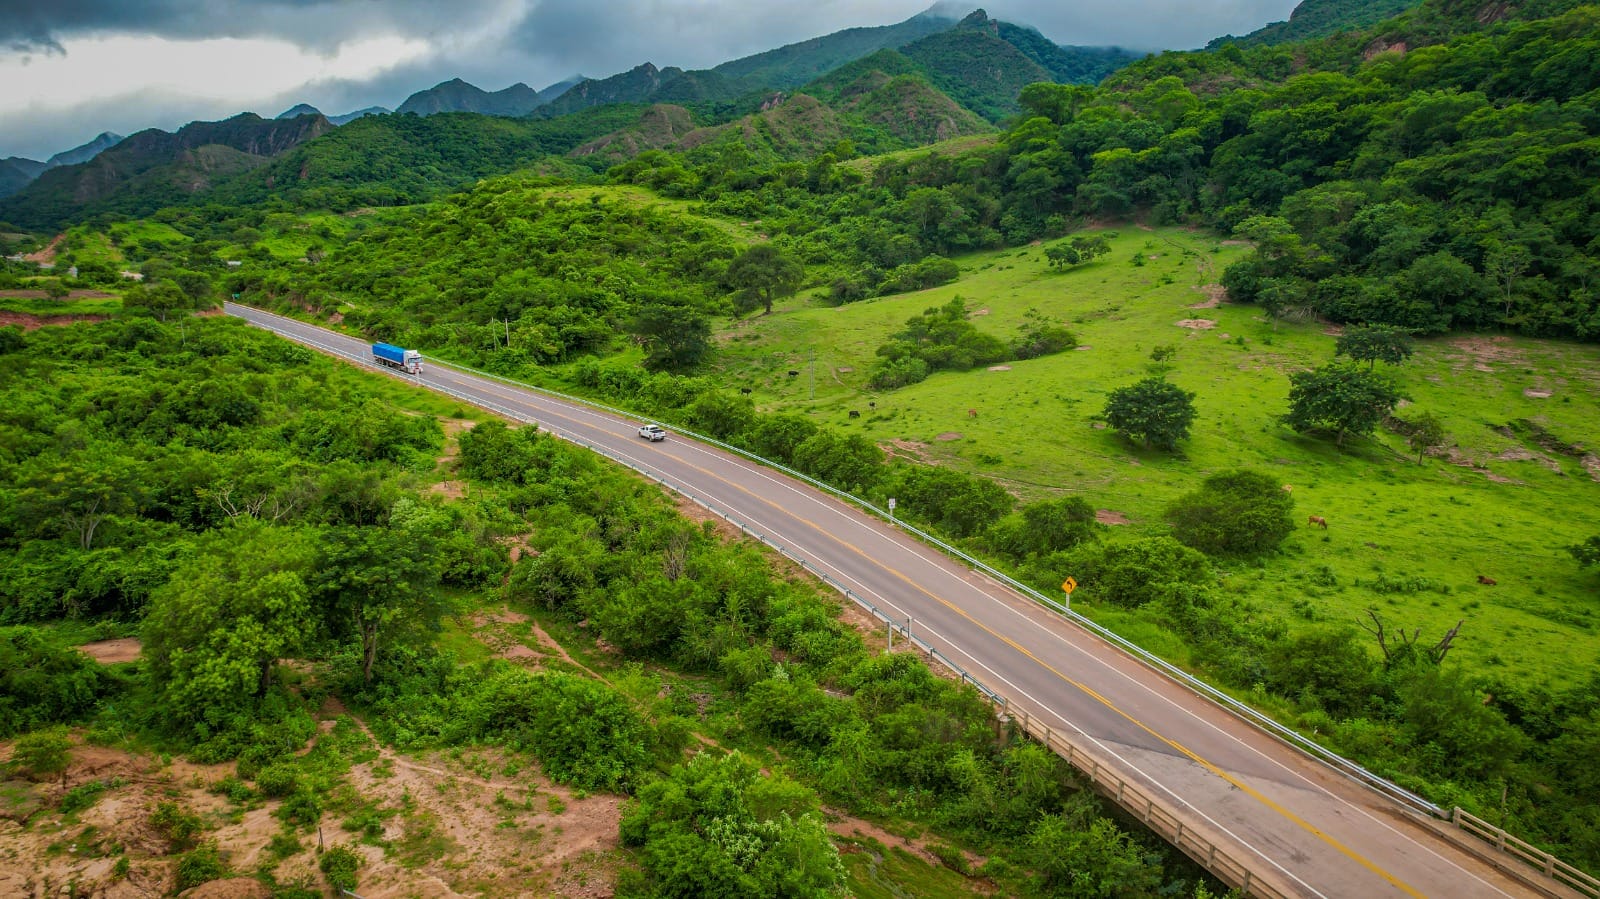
(1230, 869)
(1250, 715)
(1139, 803)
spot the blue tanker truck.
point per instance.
(395, 357)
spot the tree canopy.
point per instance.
(1234, 513)
(1153, 411)
(1340, 397)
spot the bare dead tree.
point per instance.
(675, 556)
(1437, 653)
(1404, 645)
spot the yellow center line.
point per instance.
(1086, 689)
(1196, 757)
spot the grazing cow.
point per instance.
(745, 390)
(872, 404)
(972, 413)
(1486, 580)
(1318, 520)
(793, 373)
(1288, 488)
(855, 413)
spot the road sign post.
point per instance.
(891, 510)
(1069, 585)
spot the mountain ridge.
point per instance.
(18, 172)
(59, 192)
(457, 95)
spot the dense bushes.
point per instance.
(581, 730)
(1134, 572)
(943, 339)
(715, 827)
(1234, 513)
(42, 683)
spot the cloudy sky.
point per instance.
(70, 69)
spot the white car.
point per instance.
(652, 433)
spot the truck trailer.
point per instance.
(396, 357)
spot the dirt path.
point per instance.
(113, 652)
(46, 256)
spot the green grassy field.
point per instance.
(83, 245)
(107, 305)
(146, 233)
(1406, 540)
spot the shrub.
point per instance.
(44, 753)
(893, 373)
(956, 503)
(82, 796)
(277, 781)
(42, 683)
(1131, 573)
(1152, 411)
(339, 865)
(199, 866)
(1234, 513)
(180, 827)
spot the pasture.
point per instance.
(1517, 485)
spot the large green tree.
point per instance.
(1340, 397)
(1152, 411)
(1375, 343)
(376, 584)
(230, 611)
(675, 337)
(762, 274)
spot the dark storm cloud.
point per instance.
(603, 39)
(32, 25)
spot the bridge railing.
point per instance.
(1552, 867)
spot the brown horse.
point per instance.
(972, 413)
(1487, 581)
(1318, 520)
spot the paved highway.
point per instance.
(1301, 827)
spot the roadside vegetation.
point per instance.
(278, 532)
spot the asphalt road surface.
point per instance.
(1297, 824)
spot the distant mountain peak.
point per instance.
(102, 141)
(299, 109)
(456, 95)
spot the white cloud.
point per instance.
(241, 71)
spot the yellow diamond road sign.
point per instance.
(1070, 584)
